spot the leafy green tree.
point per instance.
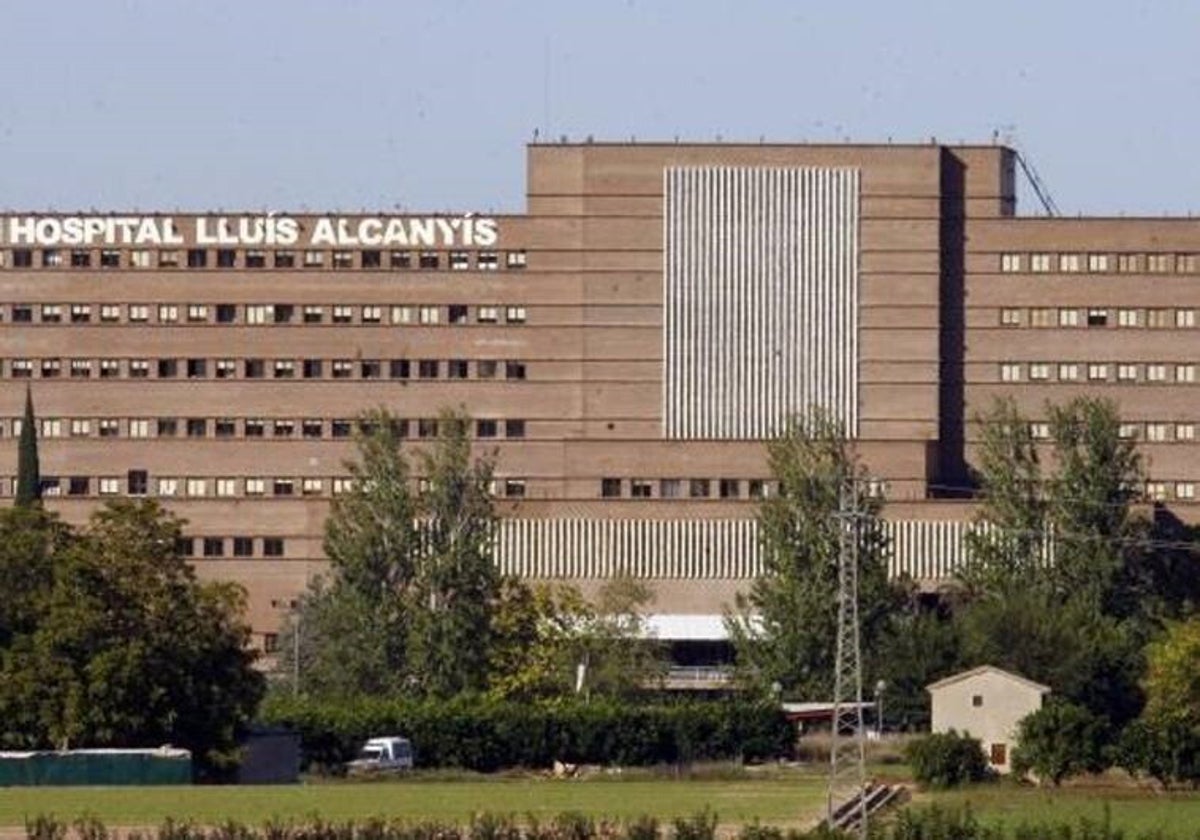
(30, 541)
(921, 646)
(614, 643)
(131, 650)
(783, 629)
(1061, 739)
(29, 479)
(1172, 681)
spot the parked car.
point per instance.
(390, 754)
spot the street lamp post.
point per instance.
(879, 687)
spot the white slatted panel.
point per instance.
(760, 298)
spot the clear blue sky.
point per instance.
(246, 104)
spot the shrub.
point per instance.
(947, 759)
(1165, 748)
(1060, 740)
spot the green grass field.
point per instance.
(780, 800)
(1177, 815)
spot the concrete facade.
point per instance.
(625, 345)
(986, 703)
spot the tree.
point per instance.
(31, 539)
(131, 650)
(1059, 740)
(783, 629)
(922, 645)
(29, 479)
(1172, 681)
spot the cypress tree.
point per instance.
(29, 479)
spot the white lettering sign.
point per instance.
(228, 231)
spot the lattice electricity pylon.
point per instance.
(847, 750)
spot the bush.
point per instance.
(1060, 740)
(1164, 748)
(486, 735)
(947, 759)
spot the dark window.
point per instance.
(22, 314)
(81, 259)
(342, 369)
(729, 488)
(999, 754)
(458, 314)
(371, 368)
(256, 259)
(399, 427)
(340, 428)
(486, 428)
(78, 485)
(197, 368)
(514, 370)
(81, 314)
(757, 488)
(372, 259)
(285, 259)
(400, 259)
(185, 547)
(283, 428)
(22, 258)
(312, 368)
(284, 312)
(224, 427)
(272, 546)
(456, 369)
(139, 482)
(670, 488)
(226, 258)
(270, 643)
(110, 259)
(311, 428)
(514, 488)
(428, 259)
(254, 428)
(197, 427)
(243, 546)
(168, 368)
(313, 314)
(197, 258)
(226, 313)
(427, 368)
(51, 368)
(610, 488)
(214, 547)
(168, 427)
(399, 368)
(640, 488)
(283, 487)
(255, 368)
(486, 368)
(514, 428)
(427, 428)
(698, 488)
(1097, 317)
(977, 700)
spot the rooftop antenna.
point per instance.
(1035, 182)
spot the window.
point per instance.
(254, 368)
(285, 259)
(81, 313)
(1158, 318)
(428, 314)
(399, 368)
(260, 313)
(1068, 317)
(341, 485)
(197, 313)
(459, 260)
(1097, 263)
(729, 488)
(109, 313)
(254, 428)
(22, 313)
(514, 488)
(272, 546)
(313, 314)
(110, 368)
(486, 368)
(312, 369)
(514, 370)
(197, 368)
(311, 428)
(487, 261)
(400, 259)
(138, 482)
(1158, 263)
(139, 428)
(51, 313)
(81, 427)
(139, 312)
(427, 428)
(140, 259)
(213, 547)
(1039, 371)
(78, 485)
(370, 368)
(1156, 373)
(514, 428)
(22, 258)
(343, 314)
(1157, 432)
(428, 259)
(427, 368)
(51, 258)
(698, 488)
(1185, 373)
(1039, 431)
(168, 259)
(1039, 263)
(486, 428)
(372, 259)
(224, 427)
(1010, 263)
(51, 368)
(340, 428)
(488, 314)
(1041, 317)
(256, 486)
(197, 258)
(343, 259)
(342, 368)
(22, 368)
(1185, 490)
(1010, 372)
(50, 486)
(372, 314)
(456, 369)
(516, 259)
(185, 547)
(312, 487)
(1185, 318)
(457, 313)
(167, 427)
(1127, 263)
(1156, 491)
(110, 259)
(977, 700)
(52, 428)
(225, 368)
(1068, 372)
(670, 488)
(1069, 262)
(81, 368)
(168, 313)
(244, 547)
(640, 488)
(402, 314)
(110, 486)
(1097, 372)
(196, 427)
(1185, 263)
(1010, 317)
(256, 259)
(1128, 431)
(1097, 318)
(283, 487)
(284, 369)
(610, 488)
(1185, 431)
(514, 314)
(314, 259)
(1127, 317)
(1127, 373)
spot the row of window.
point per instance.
(510, 369)
(396, 260)
(681, 488)
(1098, 263)
(237, 547)
(1160, 318)
(138, 482)
(269, 313)
(311, 428)
(1152, 431)
(1097, 372)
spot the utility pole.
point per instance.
(847, 750)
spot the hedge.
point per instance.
(485, 735)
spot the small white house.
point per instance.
(987, 703)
